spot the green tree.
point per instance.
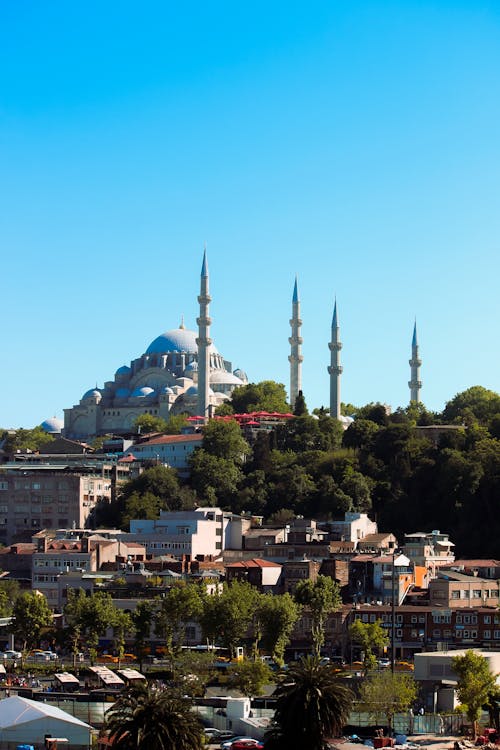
(224, 440)
(226, 615)
(176, 423)
(157, 488)
(215, 480)
(312, 705)
(476, 403)
(30, 615)
(264, 396)
(386, 693)
(122, 624)
(276, 616)
(249, 677)
(321, 597)
(372, 637)
(300, 407)
(142, 621)
(88, 617)
(475, 683)
(9, 593)
(24, 441)
(142, 717)
(146, 423)
(179, 604)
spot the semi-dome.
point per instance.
(222, 376)
(176, 340)
(92, 395)
(241, 374)
(123, 370)
(166, 390)
(52, 426)
(142, 392)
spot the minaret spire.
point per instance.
(415, 384)
(335, 368)
(203, 341)
(295, 357)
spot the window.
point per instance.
(399, 633)
(459, 620)
(436, 633)
(466, 619)
(4, 485)
(496, 634)
(414, 618)
(455, 594)
(486, 634)
(476, 594)
(487, 619)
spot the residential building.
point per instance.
(263, 574)
(33, 497)
(431, 550)
(457, 590)
(192, 533)
(170, 450)
(353, 528)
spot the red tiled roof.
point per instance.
(166, 439)
(255, 563)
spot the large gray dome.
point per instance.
(176, 340)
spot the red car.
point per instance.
(247, 745)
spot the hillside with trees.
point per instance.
(412, 470)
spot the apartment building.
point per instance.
(34, 497)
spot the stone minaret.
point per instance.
(295, 358)
(335, 368)
(203, 342)
(415, 384)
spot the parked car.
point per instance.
(227, 744)
(10, 654)
(384, 662)
(247, 744)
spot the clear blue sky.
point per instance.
(353, 143)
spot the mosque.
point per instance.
(181, 372)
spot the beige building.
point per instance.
(74, 554)
(454, 590)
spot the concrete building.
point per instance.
(263, 574)
(190, 533)
(455, 590)
(83, 555)
(353, 528)
(33, 497)
(170, 450)
(429, 549)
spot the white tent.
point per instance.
(23, 721)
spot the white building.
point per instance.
(170, 450)
(204, 531)
(353, 528)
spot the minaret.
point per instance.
(203, 342)
(295, 358)
(415, 384)
(335, 368)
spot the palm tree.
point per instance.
(147, 719)
(311, 706)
